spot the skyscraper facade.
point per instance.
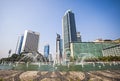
(79, 37)
(30, 41)
(19, 44)
(58, 49)
(46, 51)
(50, 57)
(68, 31)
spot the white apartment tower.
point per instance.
(30, 41)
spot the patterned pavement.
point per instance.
(12, 75)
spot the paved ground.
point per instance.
(12, 75)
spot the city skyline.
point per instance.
(94, 19)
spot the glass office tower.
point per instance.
(19, 44)
(68, 31)
(46, 50)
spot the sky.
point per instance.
(94, 19)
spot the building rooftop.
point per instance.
(68, 11)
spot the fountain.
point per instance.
(35, 61)
(68, 65)
(6, 65)
(27, 64)
(33, 56)
(103, 64)
(99, 66)
(93, 64)
(39, 64)
(83, 56)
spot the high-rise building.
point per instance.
(61, 48)
(46, 51)
(50, 57)
(19, 44)
(58, 49)
(30, 41)
(68, 31)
